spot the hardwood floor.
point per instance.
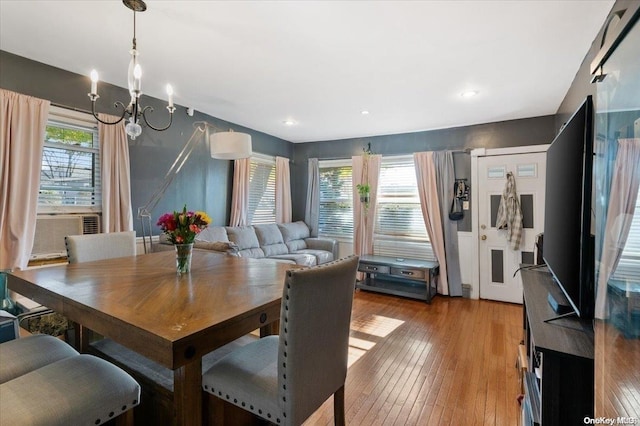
(448, 363)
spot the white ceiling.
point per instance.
(320, 63)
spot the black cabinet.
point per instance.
(560, 384)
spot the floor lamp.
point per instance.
(224, 145)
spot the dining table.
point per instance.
(141, 303)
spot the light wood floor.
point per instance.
(448, 363)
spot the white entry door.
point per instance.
(498, 262)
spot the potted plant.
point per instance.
(364, 190)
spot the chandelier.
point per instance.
(133, 111)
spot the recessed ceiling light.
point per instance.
(365, 112)
(469, 94)
(288, 122)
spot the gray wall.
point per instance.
(203, 184)
(530, 131)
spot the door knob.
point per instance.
(484, 237)
(483, 227)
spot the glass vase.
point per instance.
(6, 304)
(183, 258)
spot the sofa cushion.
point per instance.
(270, 240)
(304, 259)
(212, 234)
(322, 256)
(294, 234)
(246, 240)
(221, 246)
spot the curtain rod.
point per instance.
(453, 151)
(71, 108)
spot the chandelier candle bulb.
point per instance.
(170, 95)
(94, 82)
(137, 74)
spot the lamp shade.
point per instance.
(230, 145)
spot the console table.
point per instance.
(398, 276)
(559, 387)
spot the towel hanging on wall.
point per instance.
(509, 213)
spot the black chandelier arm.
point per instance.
(143, 113)
(116, 105)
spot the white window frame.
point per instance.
(346, 237)
(254, 194)
(84, 121)
(415, 244)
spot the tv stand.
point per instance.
(559, 383)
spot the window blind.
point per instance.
(399, 229)
(262, 191)
(335, 218)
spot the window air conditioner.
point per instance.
(51, 230)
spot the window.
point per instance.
(70, 179)
(629, 265)
(399, 229)
(262, 190)
(336, 200)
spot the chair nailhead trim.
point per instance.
(98, 421)
(111, 414)
(124, 407)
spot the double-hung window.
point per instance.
(335, 218)
(399, 229)
(262, 190)
(628, 268)
(70, 179)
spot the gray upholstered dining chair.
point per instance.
(26, 354)
(76, 390)
(285, 378)
(85, 248)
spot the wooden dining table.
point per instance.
(141, 303)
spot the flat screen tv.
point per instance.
(568, 241)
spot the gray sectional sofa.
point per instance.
(283, 242)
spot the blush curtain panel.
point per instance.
(623, 194)
(431, 211)
(445, 179)
(312, 209)
(117, 215)
(283, 190)
(365, 169)
(240, 195)
(23, 121)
